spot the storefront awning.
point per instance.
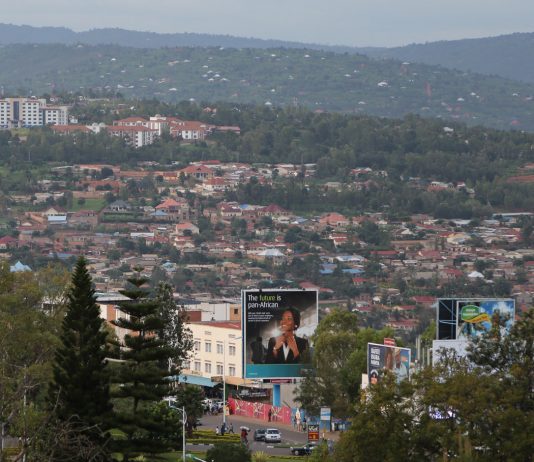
(194, 380)
(238, 381)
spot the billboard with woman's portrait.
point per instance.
(277, 330)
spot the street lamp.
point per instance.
(224, 379)
(184, 418)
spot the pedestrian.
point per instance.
(297, 418)
(217, 430)
(244, 434)
(223, 429)
(304, 423)
(231, 428)
(270, 414)
(294, 422)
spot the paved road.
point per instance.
(289, 435)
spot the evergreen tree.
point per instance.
(175, 333)
(80, 387)
(141, 378)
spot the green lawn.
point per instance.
(90, 204)
(177, 457)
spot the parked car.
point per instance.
(305, 450)
(273, 435)
(259, 434)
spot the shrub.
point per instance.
(260, 456)
(228, 453)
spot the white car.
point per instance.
(273, 435)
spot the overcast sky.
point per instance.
(340, 22)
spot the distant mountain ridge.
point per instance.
(13, 34)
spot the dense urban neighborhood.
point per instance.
(164, 221)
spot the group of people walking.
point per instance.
(224, 429)
(299, 423)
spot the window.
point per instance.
(220, 349)
(231, 350)
(186, 365)
(220, 369)
(231, 370)
(197, 366)
(207, 346)
(207, 367)
(197, 345)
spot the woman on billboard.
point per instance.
(287, 348)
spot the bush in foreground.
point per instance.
(228, 453)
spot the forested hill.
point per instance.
(510, 56)
(317, 80)
(11, 34)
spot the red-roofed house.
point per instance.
(214, 184)
(359, 281)
(8, 242)
(181, 228)
(199, 172)
(425, 300)
(273, 210)
(69, 129)
(176, 210)
(333, 219)
(229, 210)
(403, 325)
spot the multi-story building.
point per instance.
(217, 351)
(135, 135)
(30, 112)
(55, 115)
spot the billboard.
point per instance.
(466, 318)
(277, 330)
(474, 316)
(387, 357)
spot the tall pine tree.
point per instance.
(80, 388)
(140, 381)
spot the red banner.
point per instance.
(260, 411)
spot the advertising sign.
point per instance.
(313, 432)
(474, 316)
(326, 413)
(277, 330)
(385, 357)
(465, 318)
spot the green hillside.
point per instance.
(318, 80)
(510, 56)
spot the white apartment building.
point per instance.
(136, 135)
(55, 115)
(30, 112)
(217, 351)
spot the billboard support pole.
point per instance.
(277, 400)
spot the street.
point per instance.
(289, 435)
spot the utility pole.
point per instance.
(224, 383)
(184, 416)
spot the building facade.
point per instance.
(31, 112)
(217, 350)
